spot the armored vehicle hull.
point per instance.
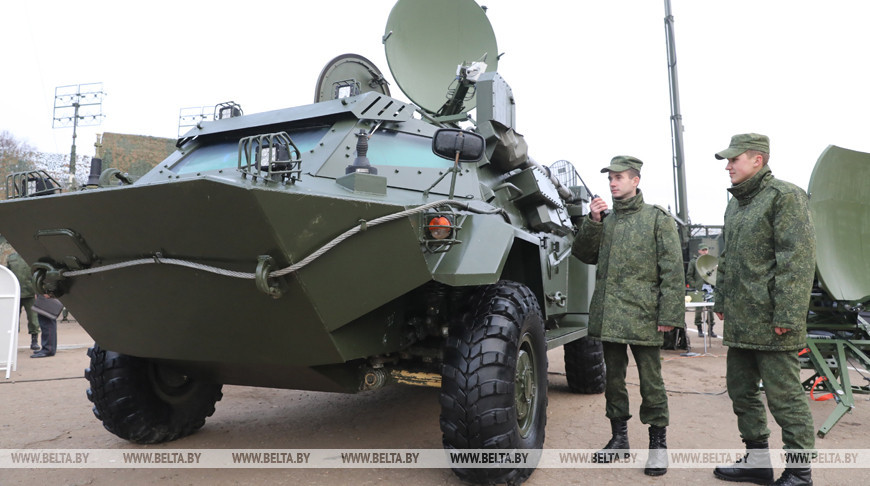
(217, 322)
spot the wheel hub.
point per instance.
(525, 389)
(170, 385)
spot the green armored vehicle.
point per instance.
(341, 246)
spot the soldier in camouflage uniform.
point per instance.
(696, 281)
(763, 289)
(25, 280)
(639, 295)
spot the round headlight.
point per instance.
(439, 227)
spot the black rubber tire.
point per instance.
(584, 366)
(136, 405)
(479, 405)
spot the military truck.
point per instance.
(341, 246)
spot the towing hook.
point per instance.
(557, 298)
(48, 279)
(265, 265)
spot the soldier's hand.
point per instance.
(780, 330)
(666, 328)
(596, 207)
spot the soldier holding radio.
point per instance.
(639, 295)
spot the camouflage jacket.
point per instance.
(22, 271)
(639, 280)
(766, 272)
(693, 276)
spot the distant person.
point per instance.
(763, 286)
(25, 280)
(639, 295)
(695, 280)
(48, 310)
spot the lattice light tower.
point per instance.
(74, 105)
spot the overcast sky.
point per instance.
(589, 78)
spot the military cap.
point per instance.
(703, 247)
(743, 142)
(623, 162)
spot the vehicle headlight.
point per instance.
(439, 227)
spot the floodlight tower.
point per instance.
(77, 104)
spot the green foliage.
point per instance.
(15, 156)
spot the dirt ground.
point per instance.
(45, 407)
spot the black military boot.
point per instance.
(700, 330)
(657, 463)
(33, 344)
(618, 445)
(797, 470)
(753, 467)
(711, 331)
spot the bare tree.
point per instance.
(57, 166)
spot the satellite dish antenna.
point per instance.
(349, 75)
(841, 209)
(706, 265)
(425, 41)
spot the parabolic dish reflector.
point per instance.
(349, 75)
(708, 267)
(840, 205)
(425, 40)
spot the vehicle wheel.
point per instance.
(584, 366)
(494, 380)
(144, 403)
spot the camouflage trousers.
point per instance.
(780, 373)
(654, 399)
(32, 320)
(699, 311)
